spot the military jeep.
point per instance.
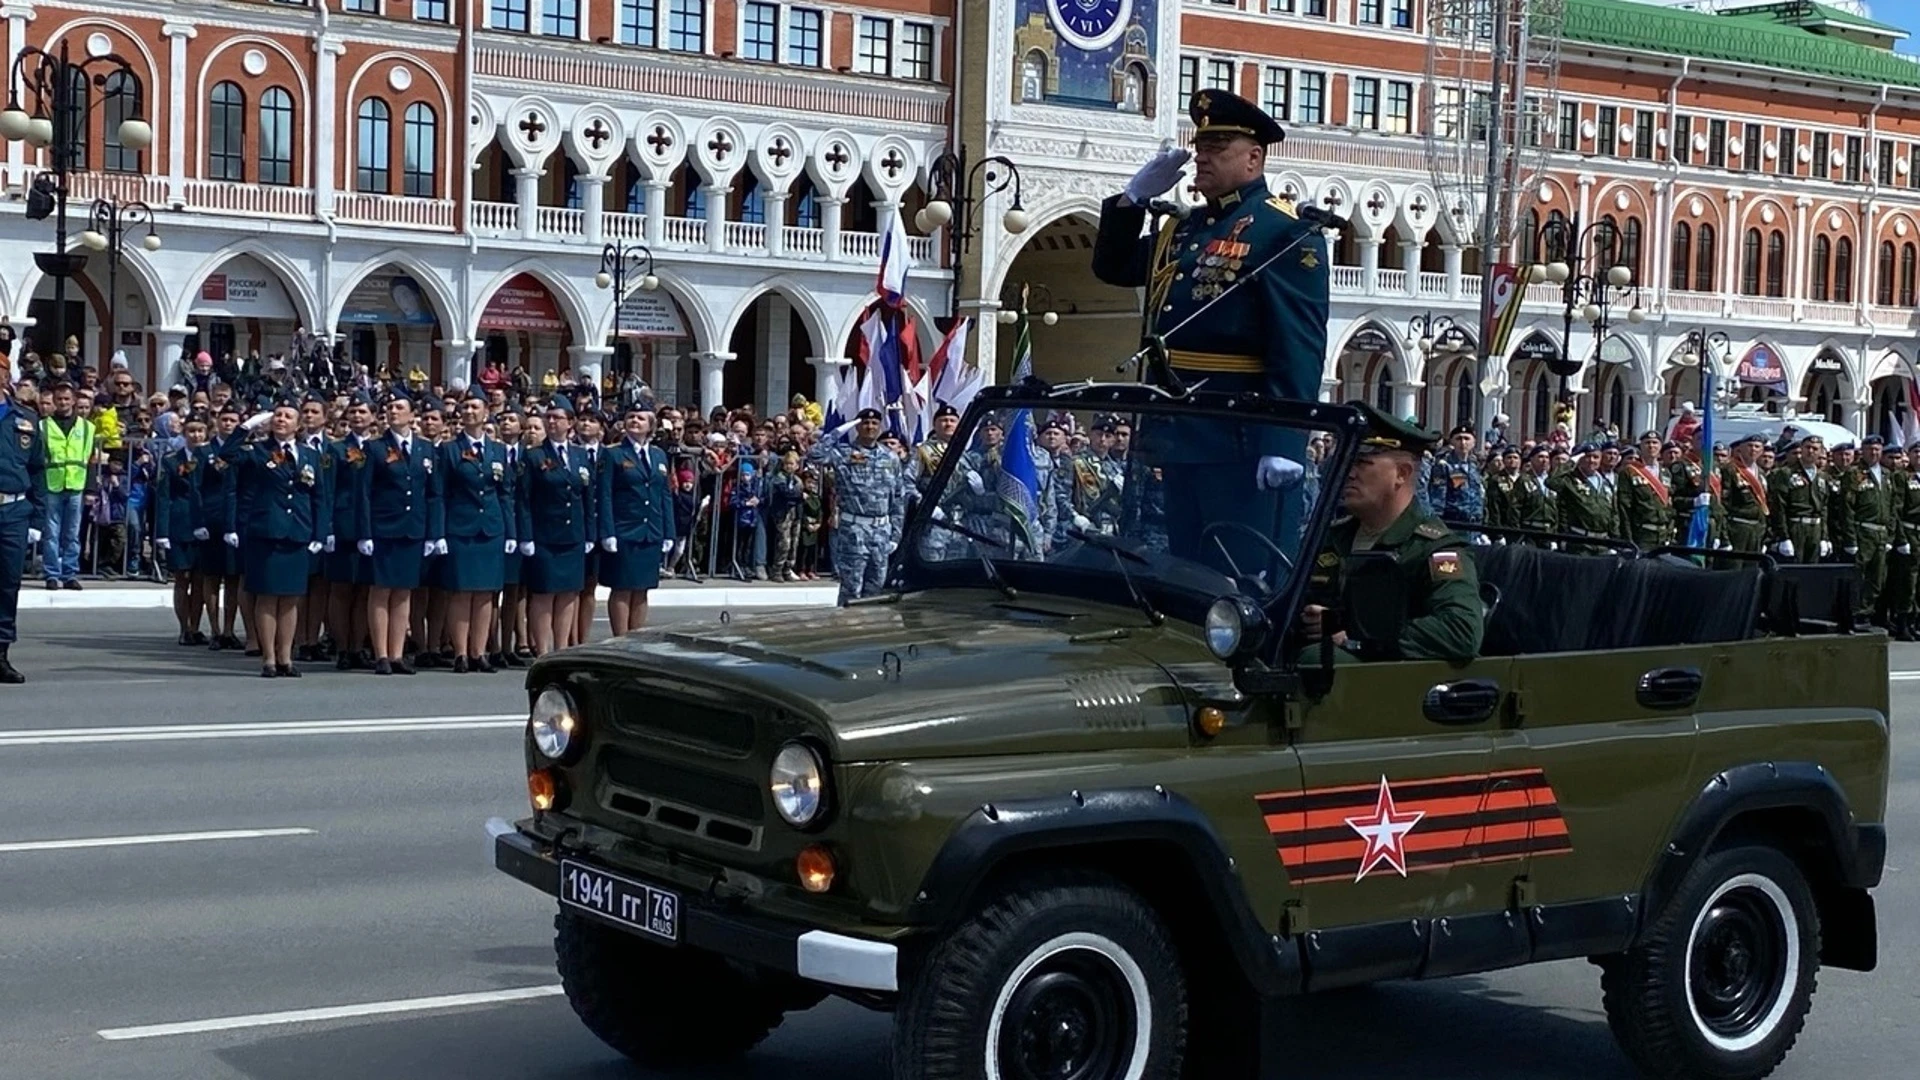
(1066, 801)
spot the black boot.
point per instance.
(9, 675)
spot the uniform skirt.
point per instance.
(184, 557)
(346, 566)
(548, 572)
(474, 565)
(275, 567)
(590, 566)
(218, 559)
(510, 569)
(397, 564)
(634, 566)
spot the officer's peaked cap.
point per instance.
(1460, 429)
(1388, 432)
(1217, 112)
(868, 414)
(945, 410)
(1873, 440)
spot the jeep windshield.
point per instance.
(1123, 494)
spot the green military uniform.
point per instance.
(1863, 528)
(1443, 618)
(1898, 597)
(1644, 503)
(1583, 506)
(1500, 499)
(1534, 502)
(1797, 498)
(1686, 481)
(1743, 491)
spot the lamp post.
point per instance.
(625, 267)
(1428, 332)
(107, 224)
(58, 92)
(1020, 305)
(1707, 350)
(954, 206)
(1589, 292)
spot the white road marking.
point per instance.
(151, 838)
(1903, 676)
(335, 1012)
(175, 732)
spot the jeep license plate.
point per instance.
(653, 912)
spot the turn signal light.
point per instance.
(545, 791)
(815, 866)
(1209, 721)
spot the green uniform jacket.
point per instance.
(1444, 618)
(1531, 507)
(1583, 508)
(1645, 505)
(1500, 500)
(1864, 510)
(1744, 494)
(1797, 500)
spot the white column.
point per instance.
(773, 346)
(1410, 263)
(1849, 414)
(1406, 399)
(656, 211)
(713, 390)
(826, 377)
(593, 203)
(173, 343)
(459, 360)
(776, 223)
(1645, 413)
(1733, 243)
(983, 338)
(1798, 288)
(717, 218)
(325, 138)
(1370, 265)
(830, 226)
(665, 378)
(178, 34)
(527, 194)
(1451, 253)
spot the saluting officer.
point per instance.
(555, 526)
(177, 518)
(634, 492)
(219, 558)
(477, 494)
(399, 521)
(286, 523)
(349, 571)
(1535, 501)
(23, 501)
(1584, 504)
(1249, 250)
(316, 609)
(869, 505)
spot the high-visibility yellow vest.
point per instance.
(67, 454)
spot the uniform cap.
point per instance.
(1217, 112)
(868, 414)
(1873, 440)
(1756, 437)
(946, 410)
(1386, 432)
(1650, 436)
(1848, 445)
(1669, 445)
(1460, 429)
(560, 404)
(1539, 450)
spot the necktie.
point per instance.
(314, 442)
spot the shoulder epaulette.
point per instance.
(1432, 530)
(1284, 205)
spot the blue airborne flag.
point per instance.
(1018, 485)
(1697, 529)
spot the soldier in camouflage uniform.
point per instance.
(1863, 528)
(1053, 468)
(1583, 501)
(1642, 501)
(1098, 481)
(869, 495)
(1743, 492)
(924, 462)
(1456, 490)
(1687, 481)
(1798, 493)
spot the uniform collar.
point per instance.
(1253, 191)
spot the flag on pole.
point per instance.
(1018, 482)
(1703, 446)
(1912, 434)
(948, 368)
(894, 263)
(1023, 352)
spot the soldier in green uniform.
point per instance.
(1583, 503)
(1743, 492)
(1444, 619)
(1262, 275)
(1797, 497)
(1864, 529)
(1535, 500)
(1503, 471)
(1643, 500)
(1903, 570)
(1687, 482)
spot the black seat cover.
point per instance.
(1552, 601)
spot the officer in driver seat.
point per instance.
(1431, 590)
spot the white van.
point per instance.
(1748, 419)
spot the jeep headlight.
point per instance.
(798, 783)
(1235, 627)
(554, 725)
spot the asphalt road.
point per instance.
(348, 869)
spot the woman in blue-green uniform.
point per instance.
(177, 518)
(589, 429)
(429, 607)
(635, 513)
(510, 614)
(218, 560)
(554, 510)
(348, 570)
(400, 518)
(477, 492)
(286, 523)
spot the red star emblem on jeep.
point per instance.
(1385, 831)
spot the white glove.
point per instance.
(1722, 545)
(329, 545)
(526, 547)
(1274, 473)
(232, 539)
(1161, 172)
(439, 547)
(1850, 551)
(1702, 499)
(978, 485)
(1080, 522)
(1481, 539)
(163, 544)
(426, 548)
(610, 545)
(365, 547)
(511, 547)
(314, 546)
(587, 548)
(199, 534)
(1826, 548)
(939, 514)
(1784, 547)
(666, 546)
(1905, 549)
(252, 423)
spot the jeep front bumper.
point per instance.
(816, 955)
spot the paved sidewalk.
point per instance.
(714, 593)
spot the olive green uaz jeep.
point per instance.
(1063, 802)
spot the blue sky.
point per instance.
(1902, 13)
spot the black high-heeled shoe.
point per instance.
(267, 672)
(459, 665)
(288, 671)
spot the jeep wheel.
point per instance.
(657, 1005)
(1721, 984)
(1067, 978)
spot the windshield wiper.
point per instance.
(1121, 553)
(993, 572)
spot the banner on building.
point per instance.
(1762, 367)
(522, 303)
(1369, 339)
(243, 289)
(388, 297)
(650, 313)
(1503, 304)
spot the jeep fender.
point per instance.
(996, 832)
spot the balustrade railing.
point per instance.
(494, 218)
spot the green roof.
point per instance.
(1739, 39)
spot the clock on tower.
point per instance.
(1090, 25)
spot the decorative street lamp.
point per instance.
(1428, 332)
(954, 205)
(622, 269)
(108, 222)
(1707, 350)
(1590, 293)
(1020, 305)
(58, 94)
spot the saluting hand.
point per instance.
(1161, 172)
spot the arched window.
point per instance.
(1464, 399)
(1530, 238)
(122, 96)
(79, 118)
(1542, 418)
(227, 133)
(1817, 279)
(1556, 245)
(276, 136)
(375, 144)
(1703, 263)
(753, 201)
(696, 194)
(1630, 247)
(1906, 275)
(1776, 263)
(422, 150)
(1606, 242)
(1750, 264)
(803, 208)
(1681, 278)
(1843, 270)
(1383, 390)
(1617, 402)
(1883, 276)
